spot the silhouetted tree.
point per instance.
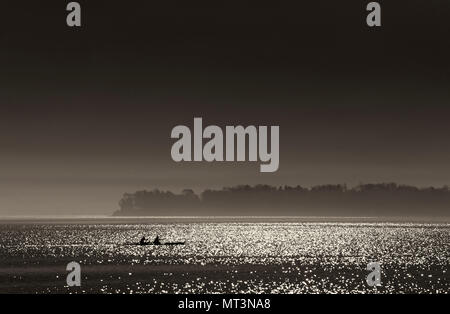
(382, 199)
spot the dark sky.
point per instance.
(86, 114)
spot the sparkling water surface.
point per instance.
(226, 257)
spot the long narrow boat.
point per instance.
(173, 243)
(151, 243)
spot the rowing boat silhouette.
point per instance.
(160, 244)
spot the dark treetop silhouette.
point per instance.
(385, 199)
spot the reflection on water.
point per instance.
(226, 257)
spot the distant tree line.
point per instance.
(385, 199)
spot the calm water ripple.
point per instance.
(226, 257)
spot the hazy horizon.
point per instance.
(86, 114)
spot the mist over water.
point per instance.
(233, 257)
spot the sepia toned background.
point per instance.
(86, 114)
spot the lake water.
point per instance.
(231, 257)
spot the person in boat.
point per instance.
(143, 241)
(156, 241)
